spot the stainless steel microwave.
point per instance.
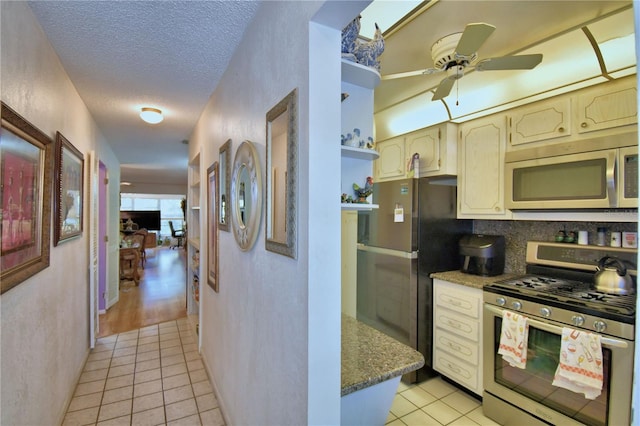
(589, 174)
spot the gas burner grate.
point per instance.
(567, 292)
(536, 282)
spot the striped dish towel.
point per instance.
(513, 339)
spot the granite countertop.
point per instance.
(370, 357)
(475, 281)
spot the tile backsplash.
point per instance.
(517, 233)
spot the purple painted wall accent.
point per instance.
(102, 231)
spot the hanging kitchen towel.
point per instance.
(513, 339)
(580, 367)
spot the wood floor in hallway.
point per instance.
(160, 296)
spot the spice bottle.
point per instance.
(601, 236)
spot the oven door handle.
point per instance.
(605, 341)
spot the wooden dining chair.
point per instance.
(143, 253)
(138, 239)
(129, 261)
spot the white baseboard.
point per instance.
(221, 404)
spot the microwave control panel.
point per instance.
(630, 164)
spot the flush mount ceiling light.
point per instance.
(151, 115)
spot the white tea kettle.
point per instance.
(612, 277)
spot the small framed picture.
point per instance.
(212, 227)
(69, 172)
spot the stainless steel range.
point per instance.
(558, 291)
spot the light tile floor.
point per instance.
(155, 376)
(435, 402)
(150, 376)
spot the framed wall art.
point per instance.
(224, 183)
(25, 193)
(282, 177)
(212, 226)
(69, 172)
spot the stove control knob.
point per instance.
(577, 320)
(600, 326)
(545, 312)
(516, 305)
(501, 301)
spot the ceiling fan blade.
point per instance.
(520, 62)
(473, 37)
(402, 75)
(409, 74)
(444, 88)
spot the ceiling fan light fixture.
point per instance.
(151, 115)
(444, 55)
(455, 72)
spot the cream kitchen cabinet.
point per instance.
(481, 151)
(544, 120)
(605, 109)
(608, 105)
(457, 341)
(436, 146)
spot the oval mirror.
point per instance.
(282, 176)
(246, 196)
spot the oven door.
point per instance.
(509, 390)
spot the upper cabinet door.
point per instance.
(391, 163)
(481, 152)
(425, 143)
(608, 105)
(541, 121)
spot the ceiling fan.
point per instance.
(456, 52)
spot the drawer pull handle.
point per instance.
(453, 368)
(455, 302)
(454, 346)
(454, 324)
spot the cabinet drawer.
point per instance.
(453, 322)
(461, 300)
(466, 350)
(461, 372)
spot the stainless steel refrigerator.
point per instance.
(413, 233)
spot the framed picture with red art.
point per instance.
(25, 193)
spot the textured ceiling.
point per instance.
(122, 55)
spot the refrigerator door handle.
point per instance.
(389, 252)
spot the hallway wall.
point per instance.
(271, 336)
(45, 332)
